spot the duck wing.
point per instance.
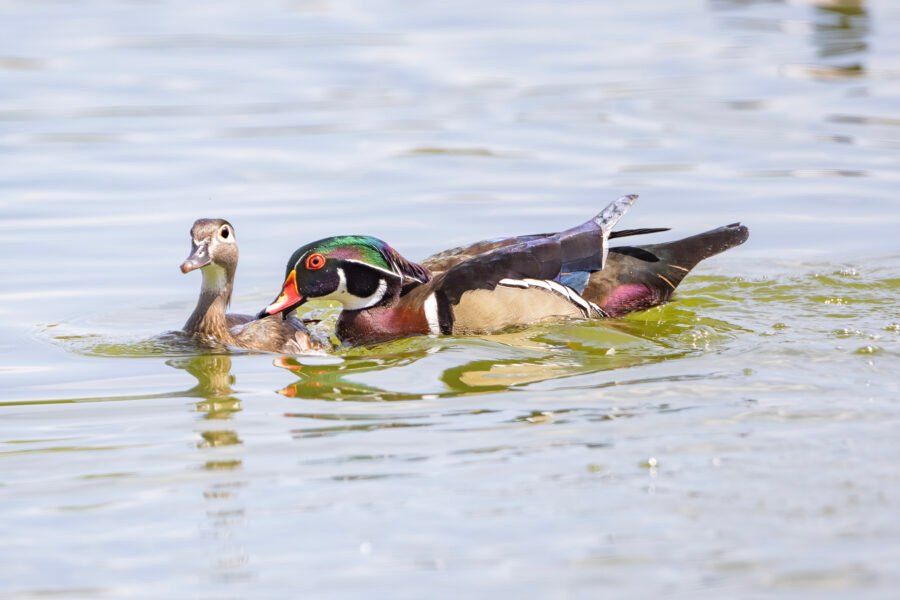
(232, 320)
(541, 258)
(272, 334)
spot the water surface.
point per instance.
(740, 441)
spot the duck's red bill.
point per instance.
(289, 299)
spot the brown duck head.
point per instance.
(214, 251)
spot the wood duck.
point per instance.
(493, 285)
(214, 251)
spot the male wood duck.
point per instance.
(214, 251)
(493, 285)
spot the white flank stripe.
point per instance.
(558, 288)
(538, 283)
(573, 296)
(580, 301)
(513, 283)
(431, 315)
(589, 308)
(599, 310)
(583, 304)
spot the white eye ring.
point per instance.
(225, 234)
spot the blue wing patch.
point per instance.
(576, 280)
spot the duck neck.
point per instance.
(209, 317)
(385, 321)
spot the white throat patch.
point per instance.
(214, 278)
(352, 302)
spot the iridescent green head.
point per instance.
(358, 271)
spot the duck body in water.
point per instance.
(214, 251)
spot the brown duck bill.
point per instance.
(198, 259)
(289, 299)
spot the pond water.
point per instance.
(738, 442)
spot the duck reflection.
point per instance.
(557, 354)
(841, 27)
(214, 381)
(838, 30)
(224, 506)
(327, 381)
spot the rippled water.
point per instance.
(739, 442)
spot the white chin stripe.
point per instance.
(589, 309)
(431, 315)
(352, 302)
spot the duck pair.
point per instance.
(482, 288)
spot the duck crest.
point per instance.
(377, 254)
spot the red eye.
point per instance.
(315, 261)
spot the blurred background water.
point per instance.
(740, 441)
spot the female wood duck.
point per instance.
(214, 251)
(493, 285)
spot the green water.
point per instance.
(740, 441)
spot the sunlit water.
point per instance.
(738, 442)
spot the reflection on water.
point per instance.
(328, 380)
(535, 355)
(543, 354)
(841, 28)
(475, 365)
(225, 505)
(509, 360)
(214, 381)
(838, 30)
